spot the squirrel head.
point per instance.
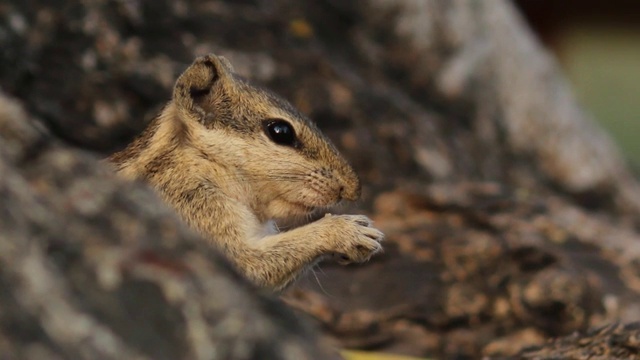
(286, 165)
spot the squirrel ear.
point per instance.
(196, 83)
(226, 64)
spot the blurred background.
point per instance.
(598, 45)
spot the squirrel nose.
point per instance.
(350, 191)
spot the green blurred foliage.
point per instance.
(603, 63)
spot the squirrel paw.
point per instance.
(356, 240)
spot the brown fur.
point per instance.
(209, 157)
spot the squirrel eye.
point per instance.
(280, 132)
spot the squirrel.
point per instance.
(232, 159)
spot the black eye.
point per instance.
(281, 132)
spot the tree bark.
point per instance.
(510, 216)
(94, 268)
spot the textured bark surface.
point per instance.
(93, 268)
(609, 342)
(510, 217)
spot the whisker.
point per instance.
(234, 179)
(267, 176)
(324, 291)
